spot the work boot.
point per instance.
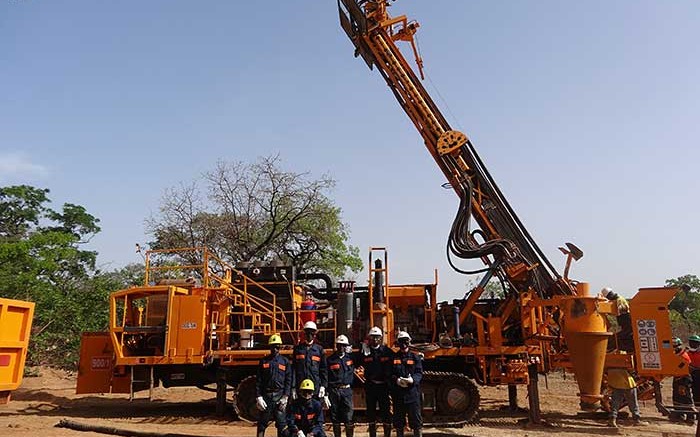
(372, 429)
(260, 433)
(639, 422)
(418, 432)
(387, 431)
(336, 430)
(612, 422)
(349, 430)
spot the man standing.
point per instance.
(272, 387)
(376, 358)
(625, 338)
(305, 418)
(682, 389)
(309, 361)
(694, 356)
(341, 373)
(624, 387)
(406, 374)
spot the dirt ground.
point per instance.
(42, 401)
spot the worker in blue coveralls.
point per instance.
(406, 374)
(272, 387)
(341, 373)
(375, 359)
(309, 361)
(305, 417)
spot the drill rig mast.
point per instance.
(501, 240)
(544, 318)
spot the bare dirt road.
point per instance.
(45, 400)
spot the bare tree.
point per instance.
(258, 211)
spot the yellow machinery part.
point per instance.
(585, 332)
(15, 326)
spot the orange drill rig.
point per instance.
(545, 320)
(198, 320)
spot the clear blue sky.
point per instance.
(586, 113)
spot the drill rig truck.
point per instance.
(545, 320)
(199, 320)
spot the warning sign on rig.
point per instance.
(648, 344)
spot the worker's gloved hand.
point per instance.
(294, 394)
(321, 392)
(300, 433)
(282, 404)
(260, 403)
(409, 380)
(401, 382)
(326, 402)
(365, 349)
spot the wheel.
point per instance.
(244, 401)
(456, 398)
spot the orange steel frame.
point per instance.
(202, 308)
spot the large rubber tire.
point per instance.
(457, 396)
(244, 400)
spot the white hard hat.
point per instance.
(403, 334)
(375, 331)
(608, 293)
(310, 325)
(342, 340)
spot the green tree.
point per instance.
(492, 290)
(258, 211)
(685, 307)
(42, 260)
(131, 275)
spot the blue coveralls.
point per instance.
(407, 400)
(309, 362)
(274, 380)
(305, 415)
(377, 374)
(341, 373)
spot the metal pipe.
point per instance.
(455, 309)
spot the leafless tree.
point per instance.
(258, 211)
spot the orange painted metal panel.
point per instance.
(188, 326)
(96, 371)
(651, 328)
(15, 326)
(96, 363)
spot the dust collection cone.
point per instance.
(585, 332)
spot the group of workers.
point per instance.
(314, 383)
(686, 389)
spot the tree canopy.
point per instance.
(258, 211)
(685, 307)
(42, 260)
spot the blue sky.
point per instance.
(586, 114)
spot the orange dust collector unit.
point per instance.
(585, 331)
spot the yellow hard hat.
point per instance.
(274, 339)
(307, 384)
